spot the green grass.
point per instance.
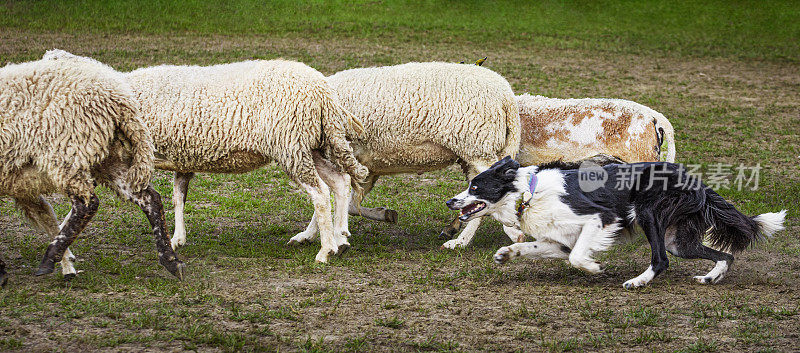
(753, 29)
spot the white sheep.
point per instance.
(574, 130)
(234, 118)
(67, 122)
(421, 117)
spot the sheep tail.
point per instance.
(141, 145)
(665, 133)
(337, 125)
(513, 130)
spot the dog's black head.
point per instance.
(486, 189)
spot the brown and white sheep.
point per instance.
(573, 130)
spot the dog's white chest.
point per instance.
(552, 221)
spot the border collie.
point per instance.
(576, 213)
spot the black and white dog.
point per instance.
(576, 213)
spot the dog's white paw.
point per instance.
(592, 267)
(635, 283)
(503, 255)
(453, 244)
(707, 279)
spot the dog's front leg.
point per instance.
(515, 234)
(540, 249)
(593, 237)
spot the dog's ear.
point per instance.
(506, 168)
(504, 162)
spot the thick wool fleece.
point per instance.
(425, 116)
(233, 118)
(572, 130)
(60, 118)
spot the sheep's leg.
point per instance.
(149, 200)
(82, 212)
(308, 235)
(465, 237)
(339, 183)
(382, 214)
(180, 189)
(41, 215)
(451, 229)
(320, 196)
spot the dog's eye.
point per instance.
(473, 188)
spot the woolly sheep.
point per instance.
(420, 117)
(234, 118)
(68, 122)
(574, 130)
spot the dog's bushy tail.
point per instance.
(731, 230)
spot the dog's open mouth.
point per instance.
(471, 209)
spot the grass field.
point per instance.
(727, 75)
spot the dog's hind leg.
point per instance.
(532, 250)
(658, 260)
(682, 241)
(382, 214)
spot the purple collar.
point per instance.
(534, 181)
(523, 204)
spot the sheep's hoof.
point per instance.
(174, 266)
(390, 215)
(448, 233)
(69, 277)
(45, 268)
(444, 236)
(323, 254)
(342, 249)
